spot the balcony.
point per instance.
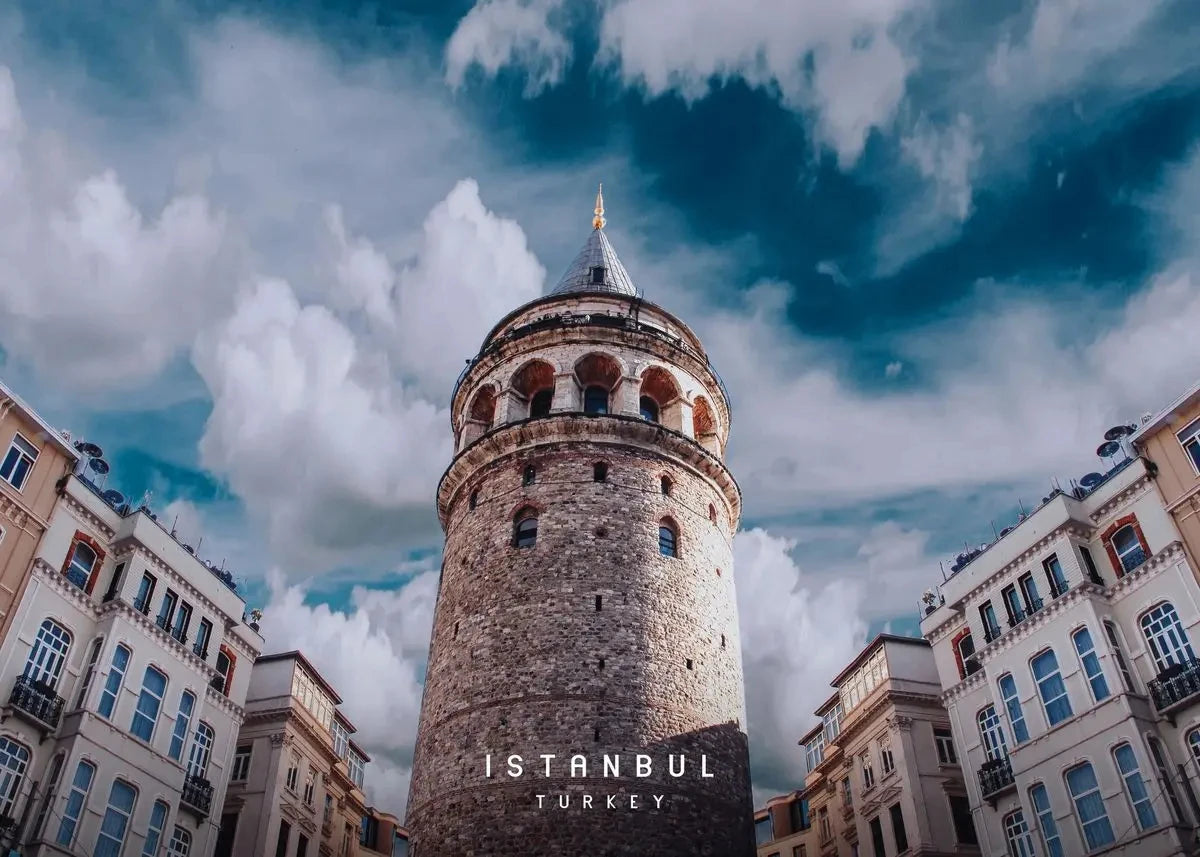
(990, 633)
(1175, 685)
(142, 605)
(1058, 588)
(200, 650)
(971, 665)
(197, 795)
(36, 702)
(1033, 606)
(1016, 617)
(995, 777)
(77, 576)
(179, 635)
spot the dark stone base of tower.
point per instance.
(586, 605)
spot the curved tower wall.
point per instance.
(591, 641)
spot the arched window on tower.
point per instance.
(525, 529)
(595, 400)
(668, 539)
(664, 485)
(539, 405)
(648, 408)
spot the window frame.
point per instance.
(146, 693)
(1135, 548)
(89, 673)
(525, 529)
(49, 654)
(1164, 658)
(1056, 576)
(183, 725)
(991, 733)
(1017, 840)
(1012, 707)
(1116, 647)
(84, 791)
(1101, 822)
(1047, 826)
(204, 737)
(239, 768)
(118, 845)
(1134, 784)
(22, 454)
(1192, 432)
(591, 394)
(154, 835)
(668, 539)
(111, 691)
(15, 765)
(1094, 673)
(1045, 685)
(946, 740)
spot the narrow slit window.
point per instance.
(599, 472)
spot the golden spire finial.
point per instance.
(598, 221)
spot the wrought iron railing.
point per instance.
(995, 775)
(1133, 559)
(991, 632)
(1176, 684)
(1016, 617)
(77, 576)
(1058, 588)
(38, 700)
(200, 650)
(197, 794)
(1033, 606)
(142, 605)
(971, 665)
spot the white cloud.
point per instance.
(499, 33)
(947, 156)
(796, 635)
(893, 369)
(384, 633)
(94, 293)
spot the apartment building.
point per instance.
(123, 677)
(782, 828)
(1066, 654)
(35, 458)
(882, 775)
(1171, 440)
(297, 783)
(382, 834)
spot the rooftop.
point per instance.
(869, 650)
(596, 268)
(1153, 422)
(297, 655)
(53, 435)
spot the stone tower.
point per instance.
(586, 605)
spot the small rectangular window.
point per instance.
(944, 740)
(964, 824)
(877, 843)
(18, 461)
(1189, 439)
(901, 835)
(241, 764)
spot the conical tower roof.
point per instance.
(596, 268)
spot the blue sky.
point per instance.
(933, 252)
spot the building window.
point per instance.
(525, 529)
(89, 672)
(597, 272)
(1055, 575)
(355, 763)
(1012, 704)
(595, 400)
(667, 542)
(341, 739)
(240, 771)
(825, 828)
(964, 648)
(991, 626)
(301, 845)
(293, 773)
(762, 830)
(1051, 687)
(1114, 641)
(116, 820)
(154, 831)
(599, 472)
(1082, 638)
(1164, 777)
(226, 663)
(529, 475)
(183, 724)
(1016, 832)
(48, 795)
(112, 685)
(1135, 786)
(1189, 439)
(831, 721)
(847, 792)
(76, 800)
(1040, 798)
(898, 831)
(281, 844)
(145, 716)
(202, 742)
(868, 771)
(664, 485)
(1012, 603)
(1128, 548)
(539, 405)
(1089, 806)
(944, 741)
(48, 654)
(1089, 563)
(991, 732)
(80, 565)
(203, 637)
(1193, 740)
(886, 763)
(183, 618)
(1167, 639)
(1033, 601)
(310, 787)
(145, 592)
(181, 843)
(473, 500)
(877, 843)
(648, 409)
(964, 824)
(14, 759)
(18, 461)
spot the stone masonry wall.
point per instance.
(589, 642)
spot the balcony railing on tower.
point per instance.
(197, 795)
(1177, 684)
(36, 702)
(995, 777)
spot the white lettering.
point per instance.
(540, 798)
(658, 799)
(564, 801)
(671, 765)
(547, 757)
(704, 767)
(633, 801)
(514, 766)
(643, 765)
(612, 766)
(580, 763)
(488, 766)
(609, 800)
(587, 801)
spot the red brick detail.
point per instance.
(83, 537)
(1112, 551)
(958, 638)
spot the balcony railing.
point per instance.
(1175, 685)
(200, 650)
(971, 665)
(1058, 588)
(1016, 617)
(197, 794)
(1033, 606)
(180, 635)
(142, 605)
(991, 632)
(163, 622)
(995, 776)
(37, 700)
(1133, 559)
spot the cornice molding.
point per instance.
(1124, 497)
(86, 516)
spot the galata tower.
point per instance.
(584, 693)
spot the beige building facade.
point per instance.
(783, 827)
(35, 458)
(297, 783)
(882, 776)
(1066, 654)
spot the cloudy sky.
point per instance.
(246, 248)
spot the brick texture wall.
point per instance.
(515, 661)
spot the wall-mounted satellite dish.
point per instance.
(113, 497)
(99, 465)
(89, 449)
(1118, 432)
(1091, 480)
(1108, 449)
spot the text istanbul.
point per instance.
(611, 766)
